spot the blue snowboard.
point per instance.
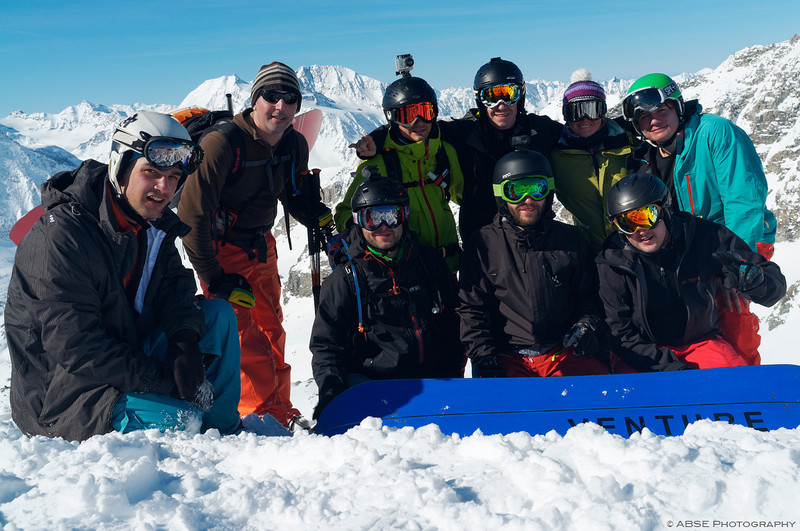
(765, 398)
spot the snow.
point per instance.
(377, 477)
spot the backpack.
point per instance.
(199, 122)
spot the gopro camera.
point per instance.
(403, 64)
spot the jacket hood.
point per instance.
(83, 185)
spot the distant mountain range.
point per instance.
(755, 87)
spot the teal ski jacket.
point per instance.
(718, 176)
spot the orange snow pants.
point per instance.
(266, 379)
(740, 329)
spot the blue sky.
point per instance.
(54, 53)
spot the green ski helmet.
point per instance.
(647, 93)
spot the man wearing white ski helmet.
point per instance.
(99, 291)
(713, 171)
(231, 203)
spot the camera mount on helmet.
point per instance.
(404, 64)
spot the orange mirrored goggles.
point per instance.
(408, 114)
(642, 218)
(494, 96)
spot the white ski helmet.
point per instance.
(132, 135)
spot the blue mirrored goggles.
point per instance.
(165, 153)
(371, 218)
(537, 187)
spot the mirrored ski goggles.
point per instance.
(642, 218)
(494, 96)
(575, 111)
(645, 100)
(273, 96)
(408, 114)
(537, 187)
(371, 218)
(166, 152)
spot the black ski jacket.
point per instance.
(410, 329)
(520, 289)
(623, 289)
(73, 335)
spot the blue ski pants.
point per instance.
(141, 411)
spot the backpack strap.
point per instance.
(441, 178)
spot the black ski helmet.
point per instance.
(405, 91)
(377, 190)
(520, 164)
(498, 72)
(635, 191)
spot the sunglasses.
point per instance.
(537, 187)
(645, 100)
(494, 96)
(408, 114)
(273, 96)
(642, 218)
(371, 218)
(576, 111)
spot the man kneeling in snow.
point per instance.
(389, 310)
(104, 329)
(659, 276)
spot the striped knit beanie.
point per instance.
(276, 76)
(583, 88)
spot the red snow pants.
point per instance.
(710, 354)
(558, 361)
(266, 380)
(740, 329)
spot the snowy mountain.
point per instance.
(754, 87)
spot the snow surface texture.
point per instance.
(715, 475)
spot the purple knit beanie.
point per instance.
(582, 88)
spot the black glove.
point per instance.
(332, 386)
(488, 367)
(233, 288)
(738, 273)
(185, 360)
(583, 336)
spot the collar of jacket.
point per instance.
(528, 238)
(416, 150)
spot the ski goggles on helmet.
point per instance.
(408, 114)
(537, 187)
(494, 96)
(371, 218)
(163, 152)
(646, 100)
(642, 218)
(273, 96)
(575, 111)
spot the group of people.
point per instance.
(670, 243)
